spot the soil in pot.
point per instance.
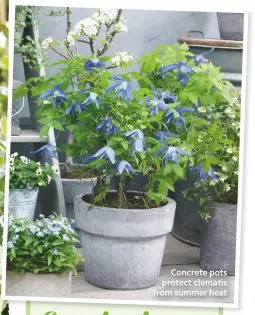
(123, 248)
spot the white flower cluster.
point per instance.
(47, 42)
(105, 16)
(201, 109)
(121, 26)
(90, 26)
(121, 59)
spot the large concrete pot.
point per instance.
(123, 248)
(218, 245)
(38, 285)
(187, 221)
(22, 203)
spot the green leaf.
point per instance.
(58, 242)
(163, 189)
(49, 258)
(57, 125)
(45, 130)
(29, 241)
(178, 170)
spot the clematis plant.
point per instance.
(148, 122)
(214, 133)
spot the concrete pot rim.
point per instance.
(76, 179)
(221, 204)
(117, 210)
(39, 274)
(27, 189)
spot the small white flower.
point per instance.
(12, 169)
(15, 154)
(122, 58)
(234, 158)
(55, 169)
(201, 109)
(224, 169)
(38, 172)
(46, 42)
(227, 188)
(40, 183)
(38, 163)
(229, 150)
(24, 159)
(228, 111)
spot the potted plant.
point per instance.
(128, 124)
(26, 177)
(76, 177)
(40, 257)
(218, 197)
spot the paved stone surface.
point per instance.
(179, 257)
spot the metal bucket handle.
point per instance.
(201, 33)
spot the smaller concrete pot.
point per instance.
(123, 248)
(38, 285)
(218, 244)
(22, 203)
(72, 188)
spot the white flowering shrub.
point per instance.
(28, 174)
(43, 246)
(86, 31)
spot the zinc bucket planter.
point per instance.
(22, 203)
(218, 245)
(43, 285)
(187, 221)
(123, 248)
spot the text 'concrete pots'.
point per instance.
(39, 285)
(22, 203)
(218, 245)
(123, 248)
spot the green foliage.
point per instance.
(25, 173)
(43, 246)
(205, 95)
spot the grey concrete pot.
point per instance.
(72, 188)
(38, 285)
(187, 221)
(123, 248)
(22, 203)
(231, 25)
(218, 245)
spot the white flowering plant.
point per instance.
(28, 174)
(43, 246)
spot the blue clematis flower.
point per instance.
(204, 175)
(160, 101)
(122, 88)
(183, 71)
(171, 118)
(48, 151)
(171, 154)
(58, 95)
(91, 99)
(138, 140)
(92, 64)
(75, 109)
(163, 136)
(201, 59)
(105, 152)
(109, 127)
(124, 166)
